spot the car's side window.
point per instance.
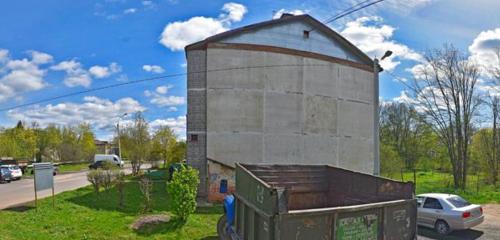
(432, 203)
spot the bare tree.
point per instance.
(445, 91)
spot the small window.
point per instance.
(306, 34)
(194, 138)
(432, 203)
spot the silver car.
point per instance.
(447, 212)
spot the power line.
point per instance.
(150, 79)
(350, 10)
(345, 10)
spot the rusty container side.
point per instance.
(321, 202)
(256, 206)
(385, 220)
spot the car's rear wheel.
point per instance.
(442, 227)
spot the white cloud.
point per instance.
(18, 76)
(40, 57)
(405, 98)
(234, 12)
(75, 74)
(160, 98)
(176, 35)
(153, 68)
(163, 101)
(103, 72)
(484, 49)
(282, 11)
(374, 39)
(100, 113)
(163, 89)
(4, 55)
(177, 124)
(130, 11)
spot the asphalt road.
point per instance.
(22, 191)
(489, 229)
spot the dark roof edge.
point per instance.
(315, 23)
(221, 163)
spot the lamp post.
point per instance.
(118, 133)
(376, 137)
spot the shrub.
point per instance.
(146, 185)
(120, 186)
(95, 178)
(182, 190)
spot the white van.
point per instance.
(108, 157)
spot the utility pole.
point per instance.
(118, 133)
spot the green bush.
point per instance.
(182, 190)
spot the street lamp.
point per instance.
(118, 132)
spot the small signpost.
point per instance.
(44, 179)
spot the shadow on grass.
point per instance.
(172, 225)
(23, 208)
(210, 238)
(133, 199)
(468, 234)
(216, 209)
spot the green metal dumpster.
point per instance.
(320, 202)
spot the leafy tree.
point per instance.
(390, 163)
(164, 143)
(86, 141)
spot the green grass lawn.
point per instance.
(437, 182)
(80, 214)
(73, 167)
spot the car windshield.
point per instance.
(458, 202)
(14, 168)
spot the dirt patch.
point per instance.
(149, 223)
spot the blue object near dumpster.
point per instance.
(229, 209)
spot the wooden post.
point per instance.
(53, 197)
(477, 182)
(36, 196)
(415, 177)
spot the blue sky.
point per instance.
(49, 48)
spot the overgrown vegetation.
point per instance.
(80, 214)
(182, 189)
(436, 125)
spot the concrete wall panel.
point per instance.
(356, 119)
(230, 148)
(321, 115)
(283, 113)
(320, 150)
(356, 154)
(283, 149)
(235, 111)
(355, 84)
(320, 78)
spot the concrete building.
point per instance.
(289, 91)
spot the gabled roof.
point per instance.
(286, 18)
